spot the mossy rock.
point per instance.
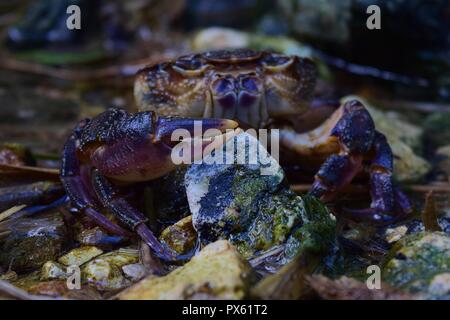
(420, 264)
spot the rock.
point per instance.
(249, 202)
(443, 161)
(59, 289)
(134, 271)
(105, 271)
(15, 154)
(345, 288)
(403, 137)
(79, 256)
(104, 275)
(33, 241)
(181, 236)
(215, 38)
(395, 234)
(217, 271)
(52, 271)
(420, 263)
(437, 128)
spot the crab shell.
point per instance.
(242, 84)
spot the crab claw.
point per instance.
(170, 129)
(190, 139)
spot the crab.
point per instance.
(107, 153)
(262, 89)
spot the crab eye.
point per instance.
(189, 65)
(276, 62)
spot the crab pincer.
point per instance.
(121, 148)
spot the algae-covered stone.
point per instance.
(78, 256)
(404, 138)
(33, 241)
(105, 271)
(420, 263)
(217, 271)
(180, 236)
(250, 203)
(134, 271)
(52, 270)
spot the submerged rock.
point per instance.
(420, 263)
(250, 204)
(404, 138)
(218, 271)
(33, 241)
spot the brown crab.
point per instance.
(262, 89)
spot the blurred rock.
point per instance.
(217, 272)
(420, 264)
(443, 162)
(134, 271)
(53, 271)
(346, 288)
(33, 241)
(437, 128)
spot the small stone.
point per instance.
(104, 275)
(105, 271)
(52, 270)
(79, 256)
(419, 264)
(33, 241)
(394, 234)
(181, 236)
(134, 272)
(217, 271)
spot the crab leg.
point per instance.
(386, 198)
(357, 136)
(134, 219)
(76, 188)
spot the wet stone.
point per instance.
(180, 236)
(79, 256)
(105, 271)
(251, 205)
(33, 241)
(217, 272)
(419, 263)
